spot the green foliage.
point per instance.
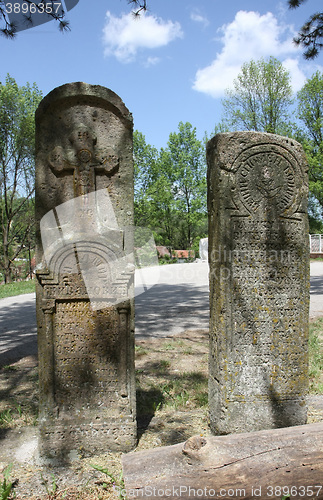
(260, 98)
(310, 112)
(117, 482)
(6, 486)
(17, 288)
(17, 169)
(186, 167)
(145, 164)
(51, 489)
(310, 107)
(170, 188)
(5, 417)
(316, 225)
(188, 388)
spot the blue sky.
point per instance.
(171, 65)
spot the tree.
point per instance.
(310, 107)
(186, 166)
(310, 35)
(310, 112)
(170, 188)
(145, 160)
(260, 98)
(17, 175)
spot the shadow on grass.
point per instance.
(18, 396)
(176, 394)
(148, 401)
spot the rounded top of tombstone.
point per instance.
(95, 95)
(240, 139)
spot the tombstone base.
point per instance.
(67, 442)
(255, 413)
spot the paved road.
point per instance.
(179, 301)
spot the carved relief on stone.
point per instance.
(83, 159)
(266, 178)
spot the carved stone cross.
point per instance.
(83, 159)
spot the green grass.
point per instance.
(18, 415)
(190, 389)
(316, 356)
(6, 485)
(140, 351)
(17, 288)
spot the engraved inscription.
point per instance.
(86, 354)
(266, 179)
(259, 283)
(267, 283)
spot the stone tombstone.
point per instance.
(84, 205)
(259, 282)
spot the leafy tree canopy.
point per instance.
(260, 98)
(170, 188)
(310, 112)
(17, 173)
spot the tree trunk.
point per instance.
(271, 464)
(6, 259)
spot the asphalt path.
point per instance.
(170, 299)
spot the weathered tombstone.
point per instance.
(84, 203)
(259, 282)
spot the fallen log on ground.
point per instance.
(271, 464)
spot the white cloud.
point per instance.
(152, 61)
(124, 36)
(197, 17)
(249, 36)
(297, 76)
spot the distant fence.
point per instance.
(316, 243)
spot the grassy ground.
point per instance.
(171, 376)
(16, 288)
(316, 357)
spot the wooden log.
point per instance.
(270, 464)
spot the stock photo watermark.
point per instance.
(25, 14)
(82, 237)
(285, 492)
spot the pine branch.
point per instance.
(10, 29)
(293, 4)
(311, 36)
(141, 6)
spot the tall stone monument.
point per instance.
(259, 282)
(84, 209)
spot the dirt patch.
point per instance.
(171, 376)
